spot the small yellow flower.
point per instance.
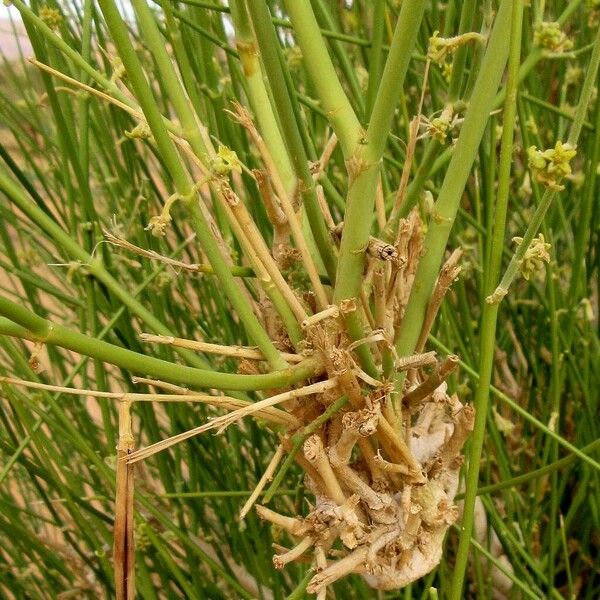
(535, 256)
(549, 36)
(552, 165)
(50, 16)
(225, 162)
(447, 71)
(140, 131)
(440, 48)
(158, 223)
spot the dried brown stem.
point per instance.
(316, 456)
(330, 312)
(338, 569)
(325, 208)
(124, 543)
(448, 275)
(416, 361)
(425, 389)
(292, 525)
(280, 560)
(248, 352)
(255, 247)
(242, 115)
(319, 167)
(260, 486)
(274, 212)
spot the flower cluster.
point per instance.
(439, 127)
(140, 131)
(552, 165)
(225, 162)
(440, 48)
(50, 16)
(535, 256)
(549, 36)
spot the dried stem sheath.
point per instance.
(124, 545)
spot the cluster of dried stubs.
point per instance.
(384, 469)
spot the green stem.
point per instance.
(24, 324)
(268, 44)
(536, 474)
(361, 195)
(448, 202)
(192, 129)
(490, 312)
(365, 170)
(537, 54)
(268, 126)
(347, 66)
(172, 84)
(258, 94)
(300, 591)
(555, 109)
(94, 265)
(375, 55)
(392, 80)
(182, 58)
(144, 95)
(322, 72)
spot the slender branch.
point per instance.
(195, 133)
(268, 42)
(18, 320)
(182, 182)
(392, 80)
(258, 95)
(550, 195)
